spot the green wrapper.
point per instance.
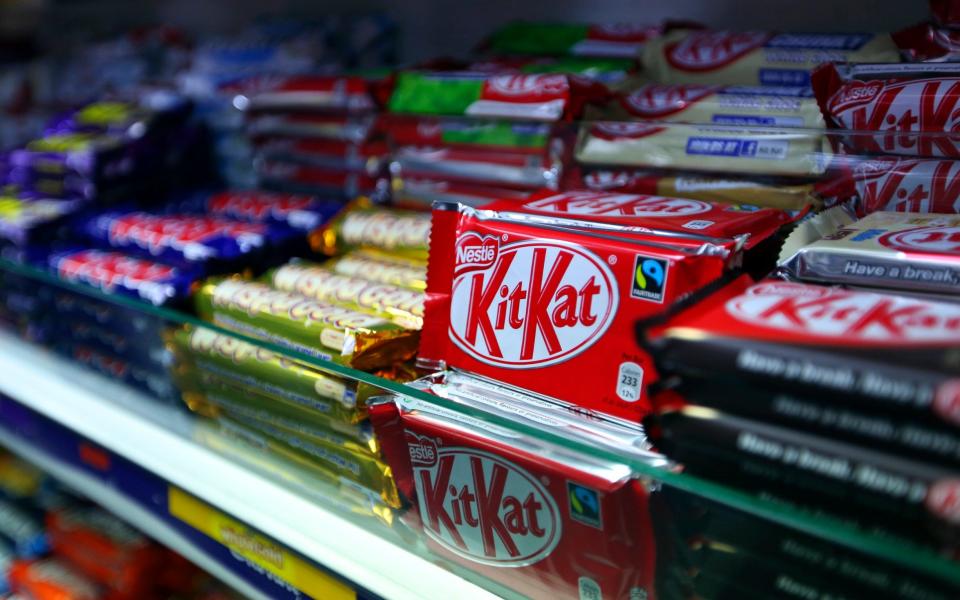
(396, 304)
(361, 225)
(323, 330)
(383, 268)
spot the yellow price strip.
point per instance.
(256, 548)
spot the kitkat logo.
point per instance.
(486, 509)
(527, 85)
(599, 204)
(845, 315)
(475, 252)
(937, 240)
(539, 303)
(854, 94)
(655, 101)
(709, 50)
(423, 450)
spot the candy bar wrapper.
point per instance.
(147, 378)
(524, 302)
(420, 193)
(310, 126)
(900, 109)
(925, 42)
(259, 206)
(382, 268)
(51, 579)
(724, 149)
(21, 527)
(294, 178)
(612, 72)
(361, 225)
(399, 305)
(118, 273)
(184, 239)
(319, 329)
(338, 455)
(104, 548)
(890, 183)
(727, 225)
(467, 133)
(539, 97)
(912, 438)
(25, 221)
(899, 251)
(366, 157)
(250, 367)
(519, 512)
(495, 168)
(742, 106)
(144, 351)
(872, 488)
(618, 40)
(757, 58)
(759, 192)
(308, 93)
(879, 352)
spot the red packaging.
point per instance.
(541, 520)
(926, 41)
(421, 192)
(294, 178)
(50, 579)
(326, 153)
(681, 215)
(104, 549)
(946, 12)
(323, 93)
(898, 102)
(530, 303)
(485, 167)
(312, 126)
(889, 183)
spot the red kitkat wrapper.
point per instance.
(903, 109)
(928, 42)
(680, 215)
(946, 12)
(529, 303)
(890, 183)
(542, 521)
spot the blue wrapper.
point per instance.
(183, 239)
(24, 221)
(301, 212)
(22, 527)
(149, 380)
(118, 273)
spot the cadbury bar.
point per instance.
(319, 329)
(757, 58)
(874, 351)
(874, 489)
(743, 106)
(899, 251)
(527, 301)
(258, 206)
(382, 268)
(362, 226)
(24, 221)
(257, 369)
(759, 192)
(402, 306)
(707, 148)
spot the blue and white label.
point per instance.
(819, 41)
(738, 148)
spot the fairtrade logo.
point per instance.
(846, 315)
(649, 278)
(601, 204)
(938, 240)
(486, 509)
(538, 303)
(708, 50)
(584, 504)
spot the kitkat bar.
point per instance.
(350, 128)
(467, 133)
(907, 109)
(541, 520)
(260, 206)
(526, 303)
(307, 93)
(538, 97)
(899, 184)
(886, 353)
(758, 192)
(613, 40)
(418, 193)
(726, 223)
(756, 58)
(888, 250)
(928, 42)
(747, 106)
(364, 157)
(485, 167)
(294, 178)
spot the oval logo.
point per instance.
(708, 50)
(840, 314)
(653, 101)
(539, 303)
(938, 240)
(486, 509)
(523, 85)
(599, 204)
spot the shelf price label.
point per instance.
(257, 550)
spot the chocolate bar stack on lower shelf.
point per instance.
(840, 402)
